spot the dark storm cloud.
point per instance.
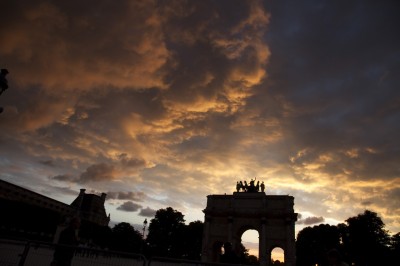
(134, 196)
(98, 172)
(131, 162)
(80, 41)
(129, 206)
(333, 70)
(48, 163)
(216, 46)
(147, 212)
(225, 35)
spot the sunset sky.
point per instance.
(161, 103)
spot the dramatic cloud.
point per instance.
(165, 102)
(98, 172)
(129, 206)
(83, 45)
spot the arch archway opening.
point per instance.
(277, 257)
(250, 240)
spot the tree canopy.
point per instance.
(193, 240)
(366, 239)
(361, 240)
(314, 242)
(125, 238)
(166, 231)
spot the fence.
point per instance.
(159, 261)
(19, 253)
(22, 253)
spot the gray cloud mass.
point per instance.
(129, 206)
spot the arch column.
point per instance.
(230, 230)
(262, 245)
(290, 252)
(206, 249)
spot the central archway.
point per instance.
(250, 240)
(227, 217)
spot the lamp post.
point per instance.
(144, 230)
(144, 226)
(3, 83)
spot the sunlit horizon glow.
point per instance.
(161, 103)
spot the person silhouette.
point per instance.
(3, 83)
(67, 243)
(3, 80)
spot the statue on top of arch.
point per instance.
(251, 187)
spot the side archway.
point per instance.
(277, 256)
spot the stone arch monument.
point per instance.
(227, 217)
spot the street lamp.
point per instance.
(144, 230)
(144, 226)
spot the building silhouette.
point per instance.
(30, 215)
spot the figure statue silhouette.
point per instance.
(252, 188)
(262, 186)
(237, 186)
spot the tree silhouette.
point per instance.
(125, 238)
(314, 242)
(277, 263)
(245, 257)
(395, 248)
(367, 241)
(363, 240)
(166, 231)
(193, 234)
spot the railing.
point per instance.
(160, 261)
(30, 253)
(20, 253)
